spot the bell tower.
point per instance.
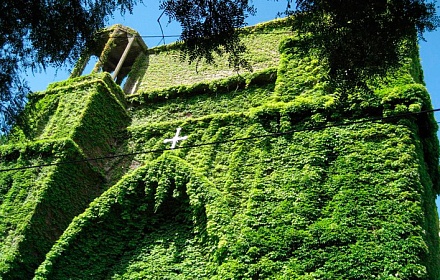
(117, 49)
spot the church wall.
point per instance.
(283, 175)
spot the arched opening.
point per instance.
(117, 49)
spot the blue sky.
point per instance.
(145, 21)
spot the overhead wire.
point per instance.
(176, 36)
(275, 134)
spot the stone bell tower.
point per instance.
(117, 49)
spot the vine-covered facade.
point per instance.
(284, 175)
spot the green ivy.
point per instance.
(170, 198)
(327, 193)
(37, 204)
(56, 132)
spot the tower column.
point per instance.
(124, 55)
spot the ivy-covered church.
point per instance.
(150, 168)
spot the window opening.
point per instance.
(116, 51)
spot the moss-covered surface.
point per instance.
(166, 69)
(321, 182)
(37, 204)
(60, 129)
(336, 203)
(89, 110)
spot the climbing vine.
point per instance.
(284, 175)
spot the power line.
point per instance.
(276, 134)
(175, 36)
(149, 36)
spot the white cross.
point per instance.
(175, 138)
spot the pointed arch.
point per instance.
(162, 206)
